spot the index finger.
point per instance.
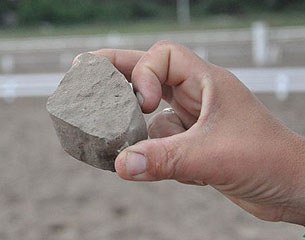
(163, 71)
(123, 60)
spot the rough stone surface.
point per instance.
(95, 112)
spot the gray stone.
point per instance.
(95, 112)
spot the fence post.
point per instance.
(7, 63)
(8, 90)
(260, 44)
(183, 12)
(282, 82)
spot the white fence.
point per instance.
(267, 44)
(279, 34)
(281, 81)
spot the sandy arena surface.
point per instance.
(45, 194)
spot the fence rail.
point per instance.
(257, 46)
(277, 34)
(281, 81)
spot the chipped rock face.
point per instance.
(95, 112)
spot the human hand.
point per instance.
(218, 134)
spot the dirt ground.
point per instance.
(47, 195)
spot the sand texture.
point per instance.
(47, 195)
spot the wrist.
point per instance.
(294, 211)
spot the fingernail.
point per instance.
(168, 110)
(140, 98)
(135, 163)
(75, 61)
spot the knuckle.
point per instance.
(165, 44)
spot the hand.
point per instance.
(217, 133)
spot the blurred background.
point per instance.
(45, 194)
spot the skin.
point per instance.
(217, 133)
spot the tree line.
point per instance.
(28, 12)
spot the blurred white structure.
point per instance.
(268, 45)
(183, 12)
(260, 45)
(281, 81)
(28, 85)
(282, 86)
(7, 63)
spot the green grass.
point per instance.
(213, 22)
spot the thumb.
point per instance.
(154, 159)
